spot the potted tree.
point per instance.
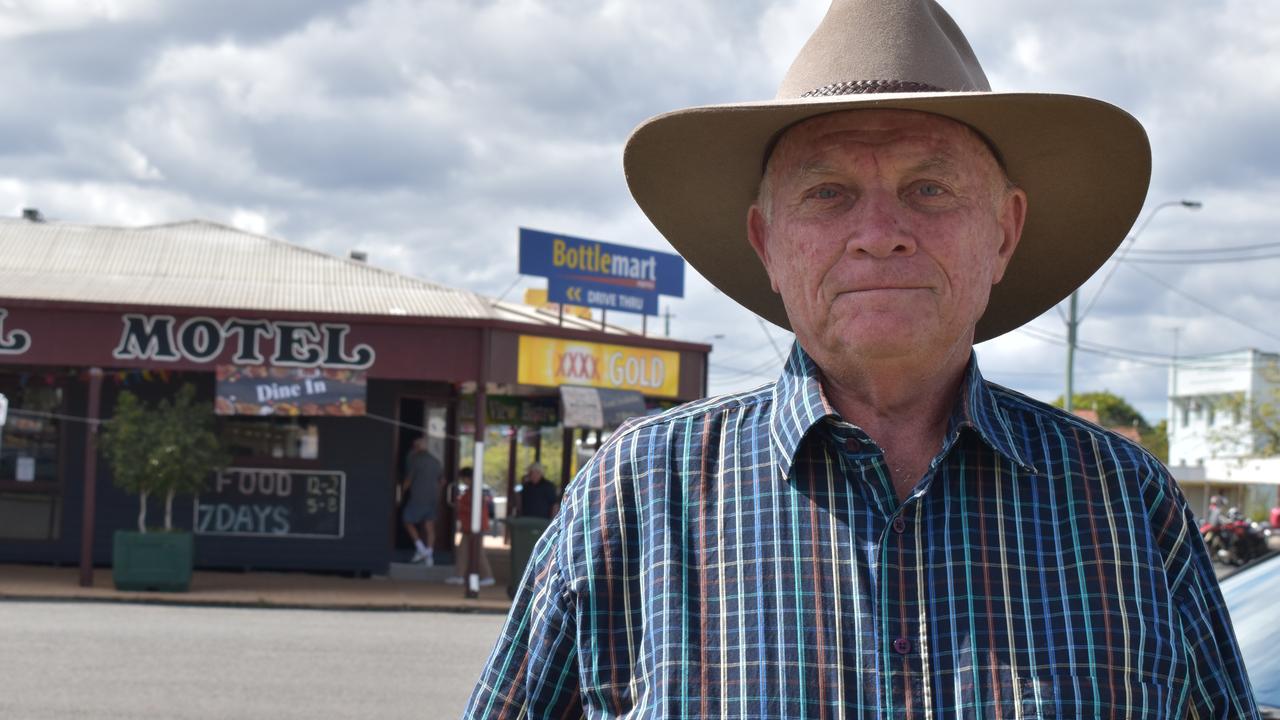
(167, 449)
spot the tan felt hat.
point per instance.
(1084, 164)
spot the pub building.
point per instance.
(321, 372)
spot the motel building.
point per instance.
(320, 370)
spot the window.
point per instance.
(270, 437)
(30, 443)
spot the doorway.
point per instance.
(430, 418)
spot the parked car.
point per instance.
(1251, 597)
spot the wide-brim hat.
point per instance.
(1084, 163)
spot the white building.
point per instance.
(1212, 448)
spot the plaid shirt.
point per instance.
(746, 557)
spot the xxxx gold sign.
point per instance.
(551, 361)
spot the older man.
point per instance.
(880, 533)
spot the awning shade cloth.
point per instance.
(597, 408)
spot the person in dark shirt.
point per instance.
(538, 495)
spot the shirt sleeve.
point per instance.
(1216, 685)
(533, 670)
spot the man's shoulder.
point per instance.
(719, 406)
(1032, 419)
(687, 430)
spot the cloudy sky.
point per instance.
(426, 133)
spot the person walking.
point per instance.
(421, 488)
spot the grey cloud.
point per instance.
(431, 130)
(248, 20)
(362, 154)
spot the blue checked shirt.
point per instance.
(746, 557)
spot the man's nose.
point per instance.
(880, 227)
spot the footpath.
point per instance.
(406, 587)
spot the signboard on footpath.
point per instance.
(551, 362)
(599, 274)
(273, 503)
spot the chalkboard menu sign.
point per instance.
(273, 502)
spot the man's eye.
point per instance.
(929, 189)
(824, 194)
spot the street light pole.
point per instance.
(1068, 402)
(1073, 321)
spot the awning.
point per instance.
(1229, 471)
(598, 408)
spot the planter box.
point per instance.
(152, 561)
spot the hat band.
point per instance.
(863, 87)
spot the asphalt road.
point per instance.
(104, 660)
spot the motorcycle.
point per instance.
(1233, 539)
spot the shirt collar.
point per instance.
(799, 404)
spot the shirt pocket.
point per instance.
(1067, 697)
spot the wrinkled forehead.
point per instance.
(906, 131)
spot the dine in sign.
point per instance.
(599, 274)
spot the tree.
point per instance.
(1260, 420)
(1157, 440)
(497, 454)
(169, 448)
(1114, 411)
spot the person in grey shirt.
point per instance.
(422, 475)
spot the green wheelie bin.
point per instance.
(525, 532)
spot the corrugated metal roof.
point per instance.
(517, 312)
(203, 264)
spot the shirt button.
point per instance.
(902, 646)
(899, 525)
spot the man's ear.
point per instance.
(758, 236)
(1013, 215)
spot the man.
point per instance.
(422, 475)
(538, 496)
(881, 533)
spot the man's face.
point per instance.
(884, 231)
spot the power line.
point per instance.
(1211, 250)
(1101, 347)
(1105, 353)
(1196, 261)
(768, 368)
(1204, 304)
(1125, 248)
(764, 329)
(1206, 361)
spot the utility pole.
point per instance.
(1173, 380)
(1068, 400)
